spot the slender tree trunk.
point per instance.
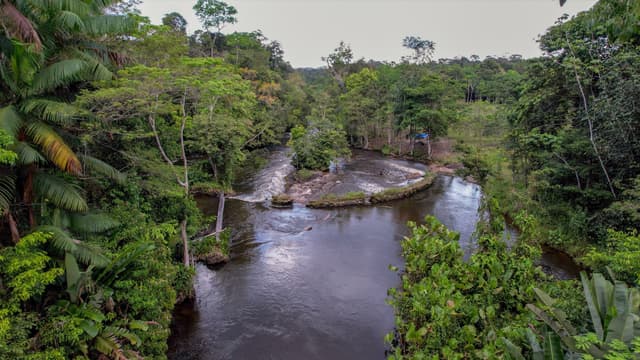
(13, 227)
(27, 195)
(220, 216)
(575, 171)
(590, 122)
(412, 138)
(213, 42)
(185, 243)
(183, 152)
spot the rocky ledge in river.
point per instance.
(214, 257)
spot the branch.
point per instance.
(152, 123)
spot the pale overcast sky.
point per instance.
(310, 29)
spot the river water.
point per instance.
(294, 293)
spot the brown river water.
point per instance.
(289, 293)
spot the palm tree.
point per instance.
(49, 49)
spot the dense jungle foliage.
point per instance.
(110, 124)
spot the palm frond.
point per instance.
(72, 273)
(82, 8)
(18, 25)
(52, 111)
(122, 263)
(7, 192)
(70, 20)
(90, 254)
(103, 168)
(27, 154)
(59, 192)
(92, 223)
(61, 241)
(95, 69)
(109, 24)
(58, 74)
(54, 147)
(10, 120)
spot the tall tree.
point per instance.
(215, 14)
(339, 62)
(175, 21)
(422, 49)
(48, 49)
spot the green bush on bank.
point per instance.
(454, 309)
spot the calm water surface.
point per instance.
(318, 294)
(289, 293)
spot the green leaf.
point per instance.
(59, 192)
(103, 168)
(58, 74)
(592, 305)
(52, 111)
(72, 272)
(7, 192)
(28, 155)
(514, 351)
(10, 120)
(138, 325)
(109, 24)
(70, 20)
(552, 347)
(92, 222)
(538, 352)
(89, 327)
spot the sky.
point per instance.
(310, 29)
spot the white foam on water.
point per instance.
(403, 168)
(271, 179)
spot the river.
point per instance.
(289, 293)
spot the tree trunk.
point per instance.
(27, 195)
(185, 243)
(412, 139)
(13, 227)
(220, 216)
(590, 123)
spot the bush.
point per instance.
(621, 254)
(386, 150)
(453, 309)
(304, 175)
(318, 145)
